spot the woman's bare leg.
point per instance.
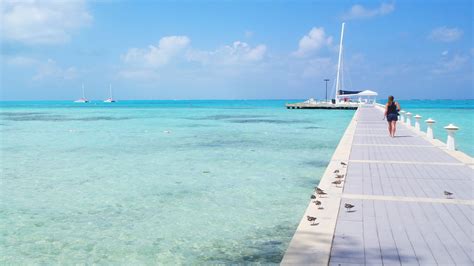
(394, 128)
(390, 128)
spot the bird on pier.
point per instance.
(343, 163)
(339, 176)
(336, 171)
(312, 219)
(337, 182)
(313, 197)
(322, 193)
(317, 189)
(318, 203)
(448, 194)
(348, 206)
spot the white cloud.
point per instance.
(159, 55)
(151, 62)
(360, 12)
(236, 54)
(445, 34)
(449, 65)
(318, 67)
(445, 53)
(313, 41)
(42, 22)
(50, 69)
(21, 61)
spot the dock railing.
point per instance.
(451, 128)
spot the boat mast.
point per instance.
(110, 89)
(339, 62)
(83, 92)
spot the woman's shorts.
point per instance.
(392, 117)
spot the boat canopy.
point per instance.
(366, 96)
(367, 93)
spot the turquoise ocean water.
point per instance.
(170, 182)
(444, 112)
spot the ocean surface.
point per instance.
(169, 182)
(444, 112)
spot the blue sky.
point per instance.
(234, 49)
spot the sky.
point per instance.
(411, 49)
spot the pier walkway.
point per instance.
(401, 215)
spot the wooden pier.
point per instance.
(322, 105)
(401, 215)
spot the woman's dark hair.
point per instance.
(390, 99)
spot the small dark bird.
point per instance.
(312, 219)
(318, 203)
(448, 194)
(348, 206)
(343, 163)
(336, 171)
(313, 197)
(339, 176)
(318, 189)
(337, 182)
(321, 193)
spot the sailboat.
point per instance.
(83, 99)
(343, 99)
(110, 99)
(349, 97)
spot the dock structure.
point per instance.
(403, 211)
(322, 105)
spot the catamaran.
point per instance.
(110, 99)
(83, 99)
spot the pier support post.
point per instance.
(429, 130)
(408, 119)
(402, 116)
(417, 122)
(451, 143)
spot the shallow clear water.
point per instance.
(168, 182)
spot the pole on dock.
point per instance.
(417, 122)
(339, 63)
(402, 116)
(408, 118)
(451, 144)
(429, 130)
(326, 89)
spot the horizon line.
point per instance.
(251, 99)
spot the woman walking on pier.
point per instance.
(391, 113)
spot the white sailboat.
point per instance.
(83, 99)
(343, 98)
(110, 99)
(349, 97)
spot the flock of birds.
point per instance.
(339, 179)
(321, 193)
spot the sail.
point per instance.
(344, 92)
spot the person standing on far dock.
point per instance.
(391, 113)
